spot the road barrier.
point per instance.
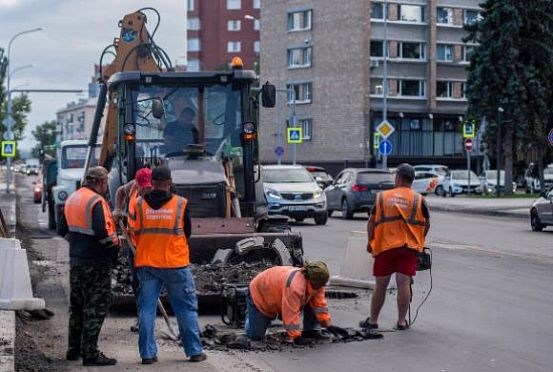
(15, 280)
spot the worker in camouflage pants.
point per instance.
(89, 285)
(93, 247)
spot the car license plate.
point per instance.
(297, 208)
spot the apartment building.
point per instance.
(331, 63)
(218, 30)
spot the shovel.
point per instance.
(169, 332)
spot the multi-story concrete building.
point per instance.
(74, 121)
(218, 30)
(331, 58)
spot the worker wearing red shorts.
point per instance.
(397, 227)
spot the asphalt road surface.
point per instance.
(490, 308)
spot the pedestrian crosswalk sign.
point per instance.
(468, 129)
(8, 149)
(295, 135)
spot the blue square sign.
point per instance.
(8, 149)
(295, 135)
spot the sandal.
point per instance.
(400, 327)
(367, 325)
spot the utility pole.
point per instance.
(385, 79)
(500, 110)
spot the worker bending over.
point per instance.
(286, 291)
(93, 248)
(160, 228)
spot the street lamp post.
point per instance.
(500, 110)
(9, 108)
(385, 79)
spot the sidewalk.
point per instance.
(7, 318)
(7, 203)
(516, 207)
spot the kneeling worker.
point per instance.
(285, 291)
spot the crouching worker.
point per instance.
(286, 291)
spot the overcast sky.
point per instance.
(74, 34)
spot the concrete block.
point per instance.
(357, 263)
(15, 279)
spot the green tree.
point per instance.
(45, 135)
(511, 68)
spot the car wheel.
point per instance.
(347, 213)
(535, 221)
(321, 218)
(440, 191)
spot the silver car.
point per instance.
(541, 212)
(290, 190)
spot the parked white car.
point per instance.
(292, 191)
(426, 182)
(457, 182)
(440, 170)
(532, 180)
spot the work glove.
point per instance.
(302, 341)
(117, 215)
(337, 331)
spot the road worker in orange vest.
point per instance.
(397, 227)
(160, 227)
(286, 292)
(126, 196)
(93, 247)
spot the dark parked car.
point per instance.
(541, 212)
(354, 190)
(322, 177)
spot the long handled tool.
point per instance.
(170, 331)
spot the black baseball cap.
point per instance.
(161, 173)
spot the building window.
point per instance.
(256, 47)
(301, 92)
(411, 88)
(464, 90)
(299, 57)
(300, 21)
(377, 48)
(377, 10)
(234, 4)
(445, 16)
(412, 51)
(257, 4)
(193, 65)
(257, 25)
(234, 25)
(468, 50)
(471, 16)
(411, 13)
(190, 5)
(377, 87)
(444, 89)
(445, 52)
(307, 125)
(234, 46)
(193, 24)
(194, 45)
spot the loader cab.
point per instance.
(202, 125)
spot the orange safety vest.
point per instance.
(159, 234)
(78, 214)
(283, 290)
(399, 221)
